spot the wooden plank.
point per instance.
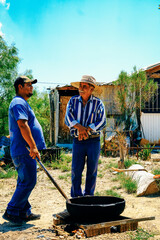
(113, 229)
(125, 224)
(119, 222)
(155, 75)
(155, 159)
(128, 170)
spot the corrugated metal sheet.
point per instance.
(151, 127)
(151, 66)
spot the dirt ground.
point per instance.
(46, 200)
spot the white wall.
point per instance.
(151, 127)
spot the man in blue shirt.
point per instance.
(24, 130)
(85, 117)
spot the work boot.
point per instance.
(31, 217)
(13, 219)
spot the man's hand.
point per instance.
(82, 132)
(34, 153)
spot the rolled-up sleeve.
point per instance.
(69, 117)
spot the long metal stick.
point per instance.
(51, 178)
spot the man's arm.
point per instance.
(27, 135)
(100, 121)
(70, 121)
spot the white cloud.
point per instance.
(3, 2)
(1, 34)
(7, 6)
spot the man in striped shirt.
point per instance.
(85, 117)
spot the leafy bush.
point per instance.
(144, 154)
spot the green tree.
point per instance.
(8, 72)
(134, 91)
(40, 104)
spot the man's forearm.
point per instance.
(27, 135)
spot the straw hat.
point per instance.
(88, 79)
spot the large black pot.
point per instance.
(95, 206)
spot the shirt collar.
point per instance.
(89, 100)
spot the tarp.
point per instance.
(5, 148)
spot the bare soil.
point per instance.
(46, 200)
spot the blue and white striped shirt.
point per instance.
(91, 115)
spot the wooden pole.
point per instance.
(121, 161)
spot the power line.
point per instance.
(50, 83)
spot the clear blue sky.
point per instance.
(61, 40)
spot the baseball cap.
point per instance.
(24, 79)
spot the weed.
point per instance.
(140, 235)
(129, 162)
(65, 158)
(9, 173)
(111, 164)
(114, 179)
(111, 192)
(156, 172)
(119, 187)
(53, 188)
(127, 183)
(65, 176)
(97, 194)
(100, 175)
(99, 161)
(65, 168)
(63, 163)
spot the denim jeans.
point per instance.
(89, 151)
(27, 177)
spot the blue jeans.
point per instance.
(27, 177)
(88, 150)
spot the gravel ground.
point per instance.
(46, 200)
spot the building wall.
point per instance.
(109, 98)
(64, 132)
(150, 127)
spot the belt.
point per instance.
(91, 136)
(94, 136)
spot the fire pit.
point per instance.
(64, 222)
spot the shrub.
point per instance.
(145, 154)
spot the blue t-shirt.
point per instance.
(20, 109)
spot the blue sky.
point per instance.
(61, 40)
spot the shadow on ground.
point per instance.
(6, 227)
